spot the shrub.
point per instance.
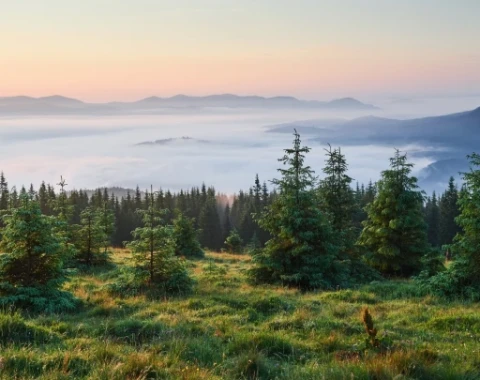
(234, 242)
(185, 237)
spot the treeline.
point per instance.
(307, 232)
(216, 215)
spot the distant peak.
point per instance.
(180, 96)
(150, 99)
(59, 98)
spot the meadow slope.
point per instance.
(229, 329)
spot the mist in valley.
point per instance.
(224, 147)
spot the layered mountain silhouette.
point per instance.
(63, 105)
(459, 130)
(446, 140)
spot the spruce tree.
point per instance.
(64, 212)
(106, 222)
(185, 237)
(449, 211)
(209, 224)
(468, 241)
(234, 242)
(44, 200)
(337, 199)
(33, 253)
(336, 196)
(13, 198)
(4, 193)
(462, 277)
(153, 251)
(89, 237)
(302, 250)
(395, 233)
(227, 224)
(432, 217)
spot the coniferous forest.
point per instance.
(265, 283)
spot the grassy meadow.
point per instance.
(229, 329)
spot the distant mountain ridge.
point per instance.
(446, 140)
(459, 129)
(63, 105)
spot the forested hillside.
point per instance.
(135, 278)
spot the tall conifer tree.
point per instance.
(302, 250)
(395, 232)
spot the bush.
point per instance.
(38, 300)
(453, 282)
(185, 238)
(133, 281)
(234, 242)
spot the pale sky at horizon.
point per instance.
(99, 50)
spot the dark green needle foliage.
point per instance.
(432, 217)
(153, 249)
(185, 237)
(336, 195)
(449, 211)
(106, 223)
(209, 222)
(302, 251)
(462, 278)
(395, 233)
(89, 238)
(31, 267)
(234, 242)
(337, 200)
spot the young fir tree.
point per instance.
(153, 251)
(302, 251)
(209, 224)
(106, 222)
(468, 241)
(89, 238)
(185, 237)
(463, 275)
(337, 198)
(4, 193)
(5, 198)
(432, 217)
(44, 200)
(227, 224)
(395, 233)
(449, 211)
(13, 198)
(64, 212)
(33, 252)
(234, 242)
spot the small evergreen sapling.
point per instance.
(31, 267)
(234, 242)
(462, 278)
(106, 221)
(90, 238)
(153, 250)
(185, 237)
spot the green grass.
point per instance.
(228, 329)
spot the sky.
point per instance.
(105, 50)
